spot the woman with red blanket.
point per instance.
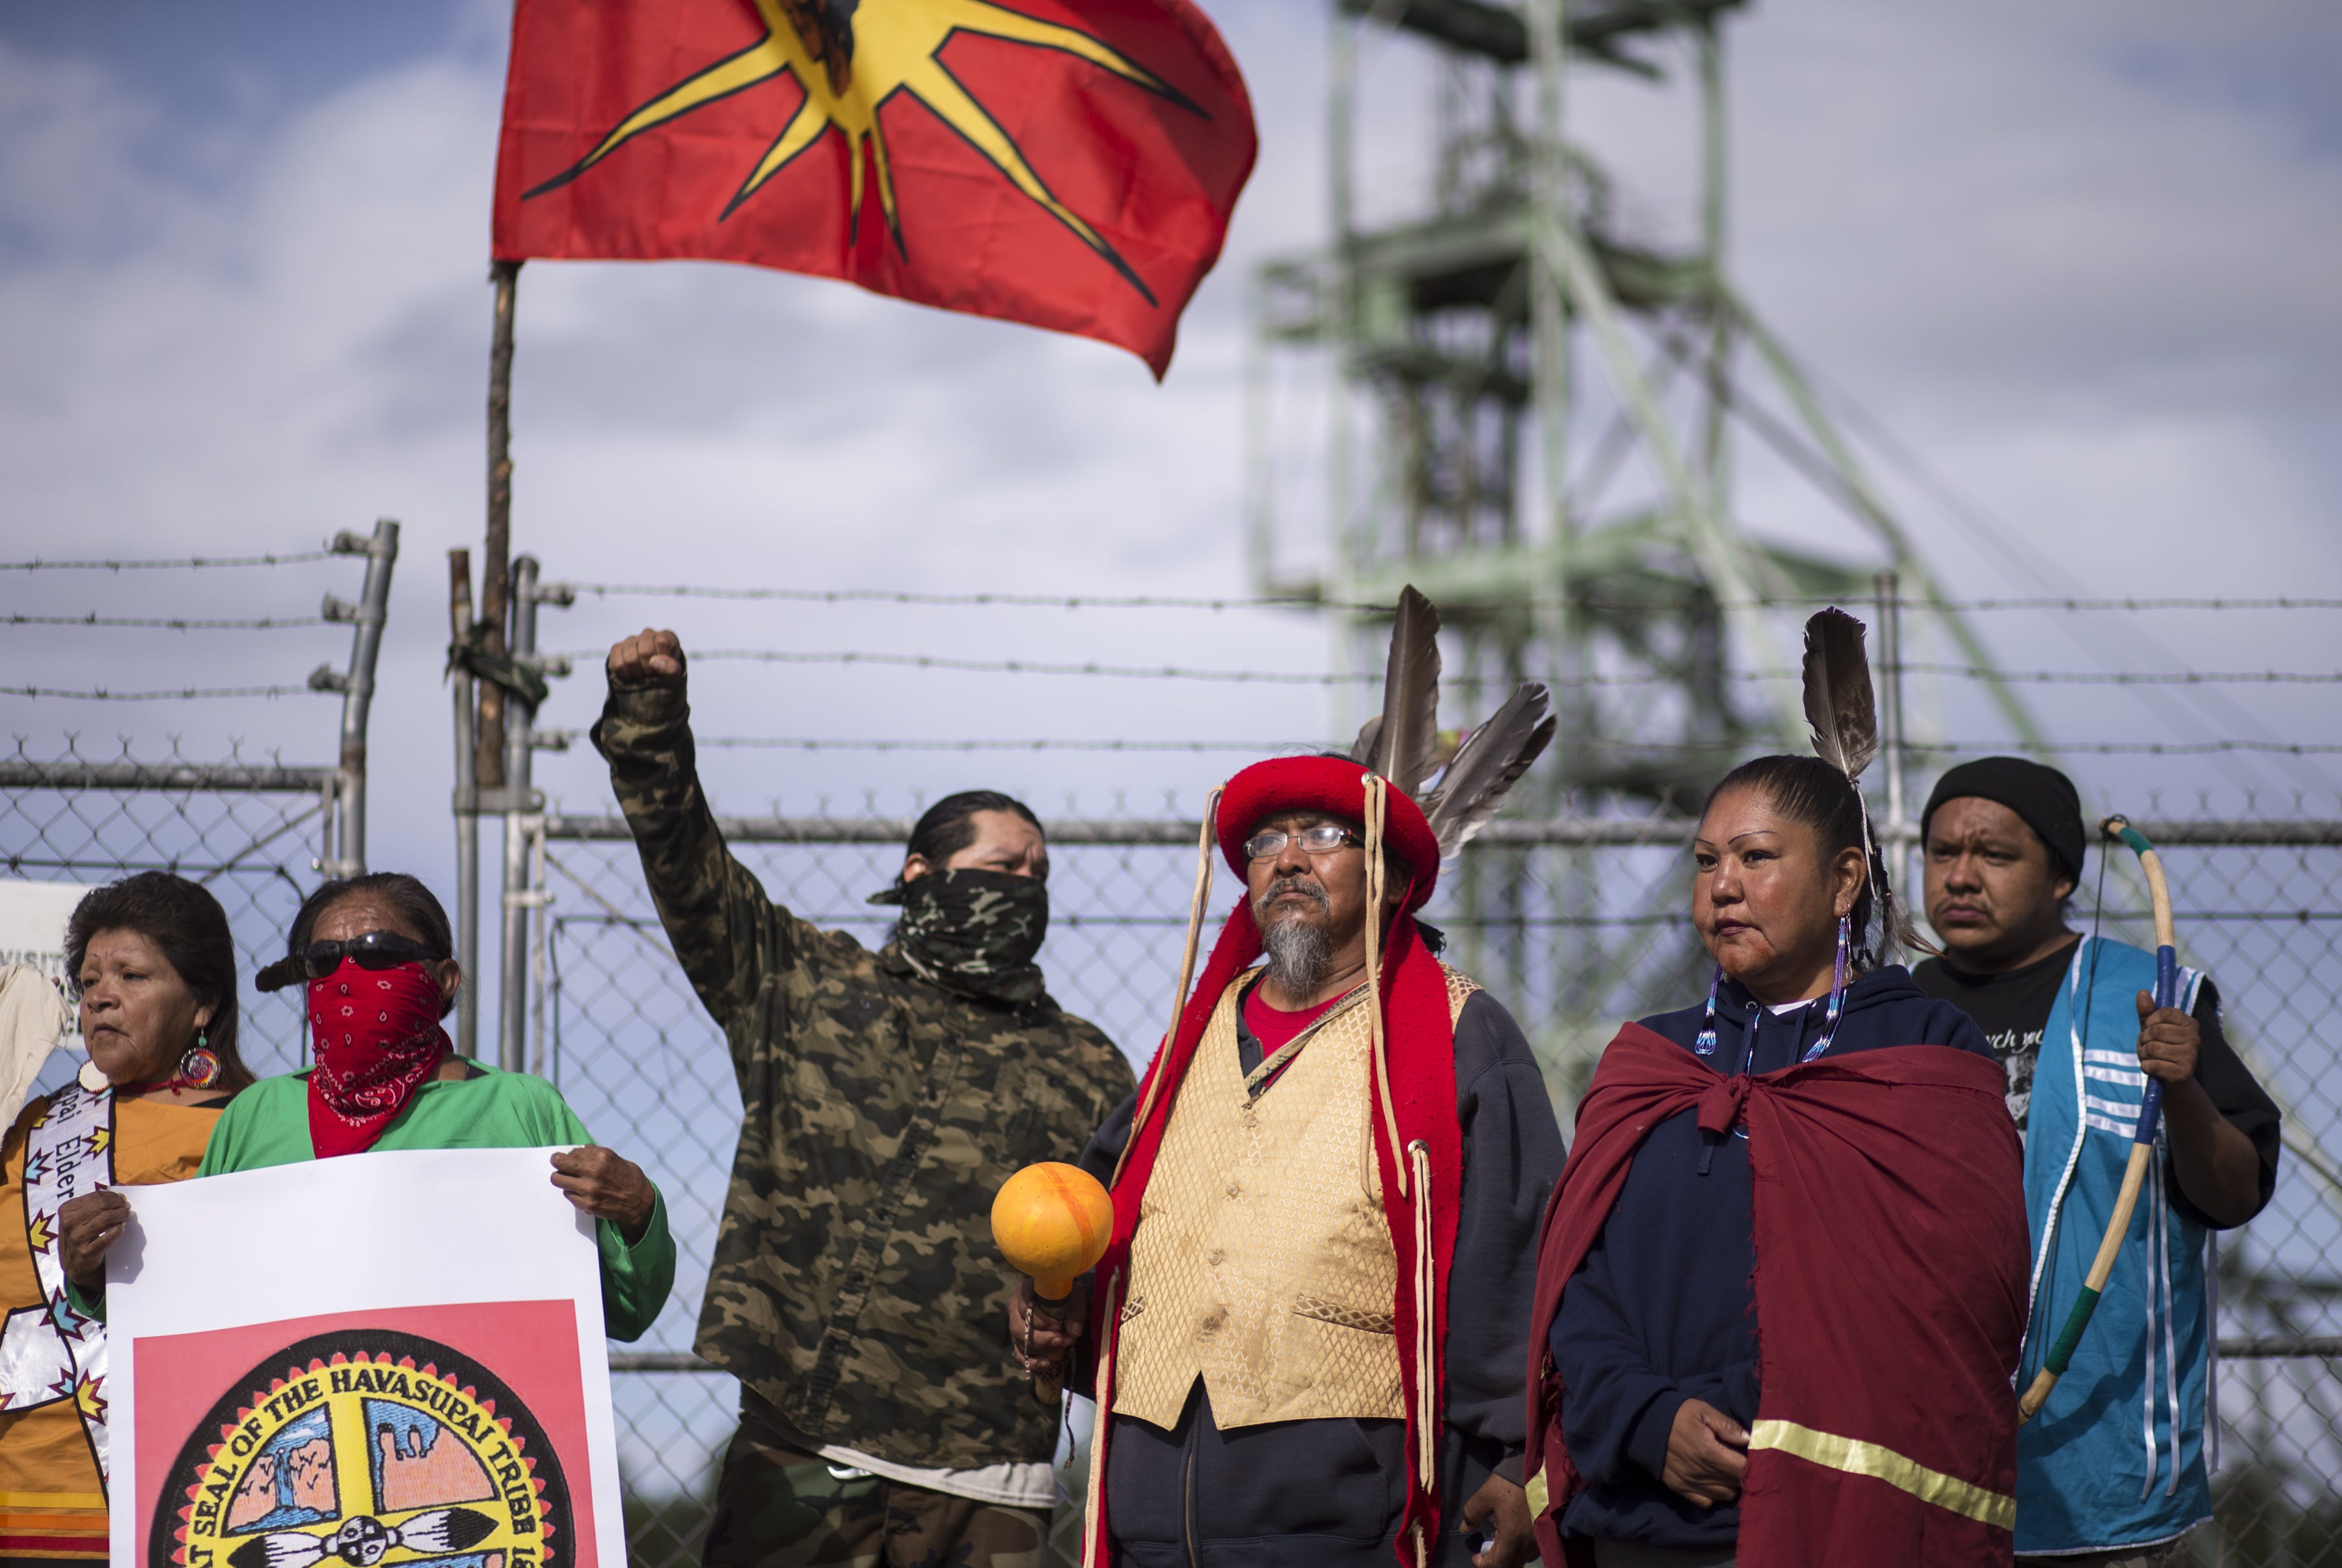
(1781, 1285)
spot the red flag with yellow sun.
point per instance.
(1069, 163)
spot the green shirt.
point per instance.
(268, 1124)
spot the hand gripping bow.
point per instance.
(2141, 1144)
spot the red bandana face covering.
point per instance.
(376, 1035)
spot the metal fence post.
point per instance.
(467, 813)
(512, 1003)
(356, 684)
(539, 896)
(524, 892)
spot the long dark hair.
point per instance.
(189, 928)
(415, 903)
(949, 826)
(1809, 790)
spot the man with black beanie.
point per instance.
(2111, 1473)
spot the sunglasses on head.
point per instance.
(372, 949)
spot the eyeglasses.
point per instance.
(1324, 838)
(376, 950)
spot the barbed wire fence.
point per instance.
(1590, 937)
(1582, 930)
(259, 831)
(632, 1049)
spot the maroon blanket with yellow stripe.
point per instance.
(1891, 1256)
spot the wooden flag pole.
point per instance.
(495, 585)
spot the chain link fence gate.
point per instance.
(253, 834)
(258, 832)
(1584, 935)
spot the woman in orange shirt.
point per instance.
(153, 966)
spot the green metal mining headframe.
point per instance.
(1506, 400)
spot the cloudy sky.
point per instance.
(2079, 261)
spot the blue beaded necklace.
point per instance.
(1704, 1045)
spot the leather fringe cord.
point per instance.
(1377, 805)
(1094, 1489)
(1412, 1164)
(1426, 1348)
(1186, 972)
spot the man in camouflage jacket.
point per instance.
(855, 1290)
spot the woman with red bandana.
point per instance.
(377, 955)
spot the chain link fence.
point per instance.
(260, 833)
(252, 830)
(1576, 924)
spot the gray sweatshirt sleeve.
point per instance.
(1512, 1157)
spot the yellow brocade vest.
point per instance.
(1262, 1261)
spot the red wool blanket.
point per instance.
(1891, 1257)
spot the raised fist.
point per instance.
(648, 658)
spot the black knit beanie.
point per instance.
(2043, 797)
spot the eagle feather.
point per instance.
(1488, 762)
(1404, 747)
(1402, 741)
(1839, 702)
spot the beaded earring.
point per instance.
(200, 1067)
(1837, 990)
(1705, 1044)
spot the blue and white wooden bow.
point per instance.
(2142, 1146)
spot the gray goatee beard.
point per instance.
(1299, 953)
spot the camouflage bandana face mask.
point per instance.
(976, 933)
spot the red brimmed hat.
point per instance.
(1337, 787)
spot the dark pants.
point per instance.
(1327, 1493)
(1635, 1554)
(779, 1507)
(2160, 1556)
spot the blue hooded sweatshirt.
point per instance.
(1664, 1308)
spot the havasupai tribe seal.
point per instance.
(372, 1447)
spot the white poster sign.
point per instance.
(384, 1358)
(32, 918)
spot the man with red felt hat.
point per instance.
(1311, 1320)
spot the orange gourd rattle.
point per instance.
(1052, 1223)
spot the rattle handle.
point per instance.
(1049, 1385)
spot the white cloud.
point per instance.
(2091, 289)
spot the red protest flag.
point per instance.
(1069, 163)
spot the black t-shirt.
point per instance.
(2013, 1008)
